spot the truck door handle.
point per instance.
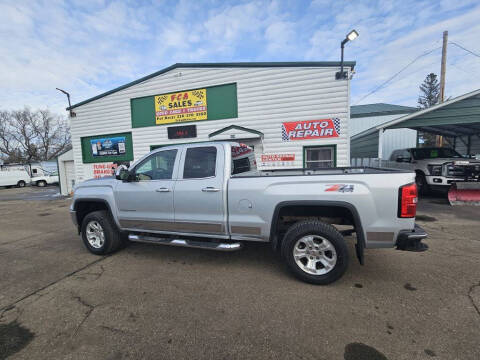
(210, 189)
(163, 189)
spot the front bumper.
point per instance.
(411, 240)
(442, 180)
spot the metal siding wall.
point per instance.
(398, 139)
(474, 145)
(365, 147)
(266, 98)
(357, 125)
(393, 139)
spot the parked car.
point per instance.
(437, 167)
(18, 178)
(44, 180)
(208, 196)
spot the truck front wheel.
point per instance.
(99, 233)
(315, 252)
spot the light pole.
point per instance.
(72, 114)
(352, 35)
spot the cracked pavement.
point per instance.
(162, 302)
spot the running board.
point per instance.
(186, 243)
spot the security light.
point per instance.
(72, 114)
(352, 35)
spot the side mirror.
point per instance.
(122, 173)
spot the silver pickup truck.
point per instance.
(211, 196)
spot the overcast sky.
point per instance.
(90, 46)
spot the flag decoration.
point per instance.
(311, 129)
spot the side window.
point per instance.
(158, 166)
(394, 155)
(200, 162)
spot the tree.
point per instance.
(429, 91)
(27, 136)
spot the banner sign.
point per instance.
(182, 132)
(310, 129)
(181, 106)
(241, 150)
(108, 146)
(277, 157)
(104, 169)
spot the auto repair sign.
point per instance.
(311, 129)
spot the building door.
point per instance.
(147, 202)
(319, 157)
(69, 175)
(199, 191)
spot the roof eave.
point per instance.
(350, 64)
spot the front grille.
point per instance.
(467, 172)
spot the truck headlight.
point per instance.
(435, 170)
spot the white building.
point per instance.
(293, 114)
(363, 118)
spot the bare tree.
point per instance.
(27, 136)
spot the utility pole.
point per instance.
(444, 66)
(443, 70)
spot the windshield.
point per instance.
(433, 153)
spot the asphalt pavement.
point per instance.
(157, 302)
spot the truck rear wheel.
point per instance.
(315, 252)
(100, 234)
(21, 184)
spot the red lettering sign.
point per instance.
(310, 129)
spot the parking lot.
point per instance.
(59, 301)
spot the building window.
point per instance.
(320, 157)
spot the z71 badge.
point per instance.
(343, 188)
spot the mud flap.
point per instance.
(464, 193)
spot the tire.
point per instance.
(422, 185)
(41, 183)
(111, 236)
(21, 184)
(331, 246)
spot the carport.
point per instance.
(458, 118)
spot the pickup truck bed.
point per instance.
(186, 195)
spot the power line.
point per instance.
(397, 73)
(463, 48)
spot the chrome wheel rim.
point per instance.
(95, 234)
(315, 255)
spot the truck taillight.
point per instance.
(407, 201)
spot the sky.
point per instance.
(91, 46)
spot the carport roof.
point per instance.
(456, 117)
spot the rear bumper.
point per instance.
(411, 240)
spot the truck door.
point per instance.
(147, 202)
(199, 192)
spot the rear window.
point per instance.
(243, 159)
